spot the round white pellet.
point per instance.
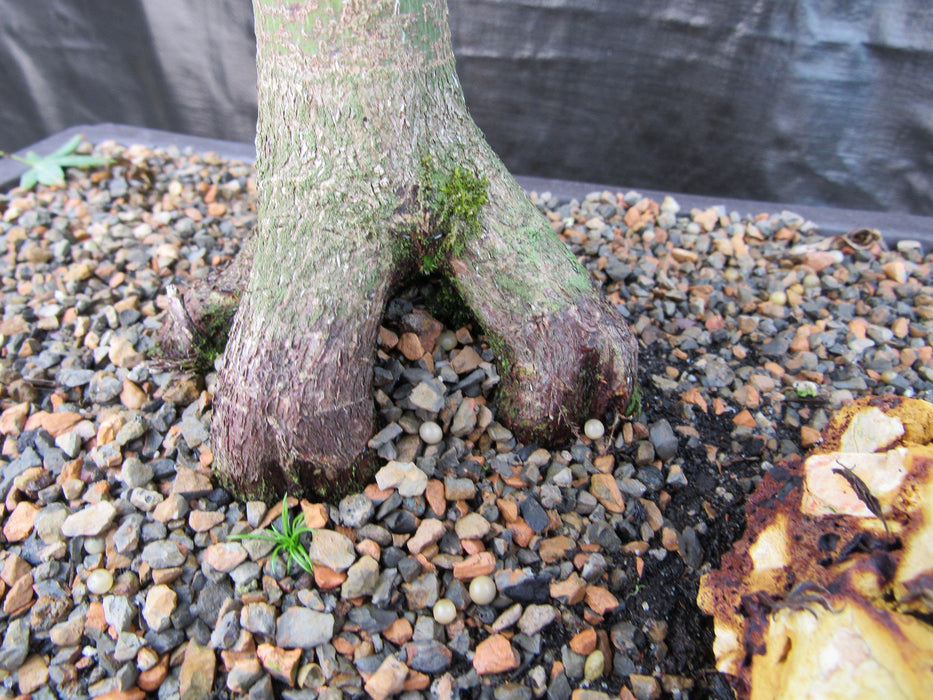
(447, 340)
(431, 432)
(594, 429)
(482, 590)
(445, 611)
(94, 545)
(99, 581)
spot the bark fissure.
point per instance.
(355, 98)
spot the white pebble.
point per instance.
(99, 581)
(431, 432)
(445, 611)
(594, 429)
(94, 545)
(447, 340)
(482, 590)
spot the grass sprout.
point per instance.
(287, 540)
(50, 169)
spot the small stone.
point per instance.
(645, 687)
(584, 642)
(429, 531)
(190, 483)
(99, 581)
(204, 520)
(362, 578)
(483, 590)
(422, 592)
(20, 522)
(594, 665)
(600, 600)
(458, 489)
(163, 554)
(664, 439)
(196, 677)
(333, 550)
(90, 521)
(494, 655)
(570, 591)
(243, 673)
(447, 340)
(594, 429)
(119, 612)
(172, 508)
(20, 596)
(536, 517)
(258, 618)
(15, 647)
(472, 526)
(388, 680)
(225, 556)
(135, 473)
(410, 346)
(466, 360)
(464, 420)
(132, 396)
(13, 420)
(303, 628)
(507, 618)
(33, 674)
(431, 432)
(478, 564)
(405, 477)
(607, 492)
(535, 618)
(444, 611)
(281, 664)
(145, 499)
(356, 510)
(428, 396)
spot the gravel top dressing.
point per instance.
(473, 565)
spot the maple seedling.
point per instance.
(50, 169)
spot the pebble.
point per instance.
(99, 581)
(483, 590)
(303, 628)
(444, 611)
(431, 432)
(594, 429)
(110, 469)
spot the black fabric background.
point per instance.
(799, 101)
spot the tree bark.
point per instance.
(362, 130)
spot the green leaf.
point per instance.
(81, 161)
(49, 170)
(66, 149)
(28, 179)
(48, 173)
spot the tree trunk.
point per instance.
(370, 171)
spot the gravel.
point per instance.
(116, 565)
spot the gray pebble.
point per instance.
(356, 510)
(303, 628)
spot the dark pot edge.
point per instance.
(829, 221)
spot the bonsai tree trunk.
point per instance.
(370, 170)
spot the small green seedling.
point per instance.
(634, 404)
(50, 169)
(287, 539)
(806, 390)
